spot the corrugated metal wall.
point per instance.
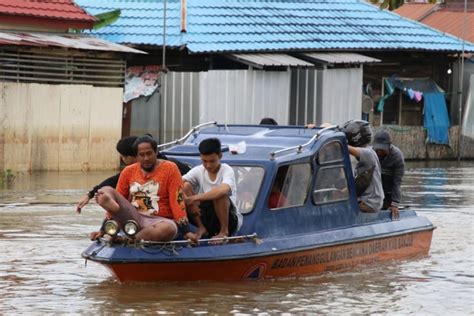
(225, 96)
(299, 96)
(59, 127)
(342, 95)
(180, 99)
(305, 97)
(468, 114)
(467, 140)
(454, 104)
(244, 96)
(146, 115)
(329, 95)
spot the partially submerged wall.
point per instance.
(59, 127)
(412, 142)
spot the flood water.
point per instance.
(42, 272)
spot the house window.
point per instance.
(248, 181)
(331, 185)
(290, 187)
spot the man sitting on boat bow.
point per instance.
(150, 193)
(210, 190)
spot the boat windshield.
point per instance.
(249, 180)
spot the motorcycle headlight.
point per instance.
(111, 227)
(130, 228)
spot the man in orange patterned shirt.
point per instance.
(149, 192)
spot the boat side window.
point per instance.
(331, 185)
(248, 181)
(290, 187)
(330, 153)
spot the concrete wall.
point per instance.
(59, 127)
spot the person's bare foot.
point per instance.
(106, 201)
(96, 235)
(201, 232)
(218, 239)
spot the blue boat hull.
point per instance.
(296, 255)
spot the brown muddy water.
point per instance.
(42, 272)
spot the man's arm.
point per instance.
(223, 189)
(111, 181)
(216, 193)
(177, 205)
(354, 151)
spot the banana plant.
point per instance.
(103, 19)
(106, 18)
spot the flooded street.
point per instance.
(41, 270)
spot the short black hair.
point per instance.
(145, 139)
(268, 121)
(125, 146)
(210, 146)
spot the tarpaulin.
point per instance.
(435, 118)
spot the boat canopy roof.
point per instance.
(256, 142)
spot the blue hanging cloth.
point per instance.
(435, 118)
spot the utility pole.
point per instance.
(461, 82)
(163, 64)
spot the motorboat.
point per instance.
(296, 191)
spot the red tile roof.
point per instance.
(45, 9)
(415, 11)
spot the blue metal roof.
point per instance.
(269, 25)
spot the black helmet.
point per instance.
(358, 132)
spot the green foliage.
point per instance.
(392, 4)
(106, 18)
(103, 19)
(7, 177)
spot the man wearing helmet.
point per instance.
(367, 171)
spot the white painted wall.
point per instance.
(59, 127)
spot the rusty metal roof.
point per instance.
(81, 42)
(449, 19)
(452, 22)
(275, 60)
(51, 9)
(416, 11)
(342, 58)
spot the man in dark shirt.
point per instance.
(127, 155)
(393, 167)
